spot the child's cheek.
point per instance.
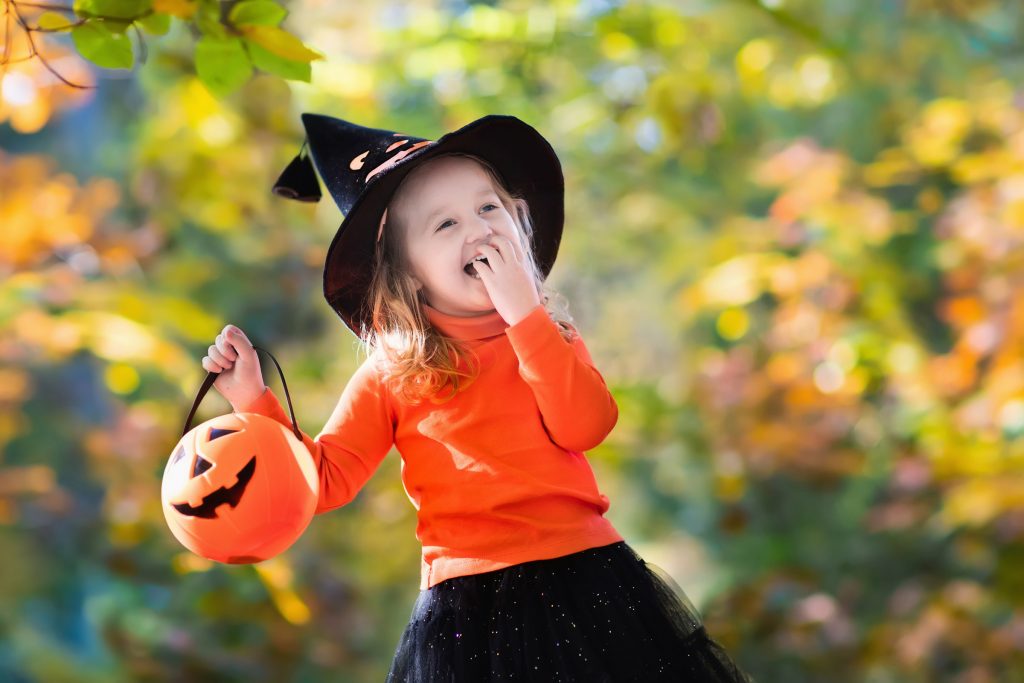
(505, 227)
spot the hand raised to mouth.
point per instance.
(503, 270)
(470, 270)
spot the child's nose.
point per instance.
(480, 230)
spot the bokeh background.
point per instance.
(793, 244)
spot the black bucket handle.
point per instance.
(211, 377)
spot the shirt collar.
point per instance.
(459, 327)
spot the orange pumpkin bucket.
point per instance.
(239, 488)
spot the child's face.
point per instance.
(447, 209)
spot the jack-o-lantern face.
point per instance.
(230, 495)
(239, 488)
(215, 472)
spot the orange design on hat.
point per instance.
(357, 162)
(395, 159)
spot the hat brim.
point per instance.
(523, 158)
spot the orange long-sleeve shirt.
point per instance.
(497, 474)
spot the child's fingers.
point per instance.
(239, 342)
(507, 249)
(229, 345)
(483, 271)
(496, 243)
(514, 247)
(232, 332)
(225, 348)
(210, 366)
(493, 255)
(219, 358)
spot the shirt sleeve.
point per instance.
(575, 404)
(350, 447)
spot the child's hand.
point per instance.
(233, 356)
(510, 286)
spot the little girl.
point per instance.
(491, 398)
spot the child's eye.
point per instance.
(450, 221)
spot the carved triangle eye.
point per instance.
(178, 455)
(217, 433)
(200, 466)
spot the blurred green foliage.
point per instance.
(793, 243)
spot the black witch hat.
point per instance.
(362, 167)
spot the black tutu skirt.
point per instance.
(598, 615)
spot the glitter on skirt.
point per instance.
(599, 615)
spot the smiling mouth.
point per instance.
(208, 508)
(469, 267)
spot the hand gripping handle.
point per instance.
(211, 377)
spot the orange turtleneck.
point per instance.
(497, 474)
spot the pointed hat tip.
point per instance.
(298, 181)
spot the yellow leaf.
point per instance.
(52, 21)
(183, 9)
(975, 502)
(121, 378)
(1012, 215)
(618, 46)
(277, 575)
(992, 164)
(280, 42)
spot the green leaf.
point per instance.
(103, 47)
(52, 21)
(222, 64)
(208, 19)
(117, 25)
(123, 9)
(157, 24)
(257, 12)
(279, 66)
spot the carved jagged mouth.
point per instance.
(231, 496)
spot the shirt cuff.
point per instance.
(263, 405)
